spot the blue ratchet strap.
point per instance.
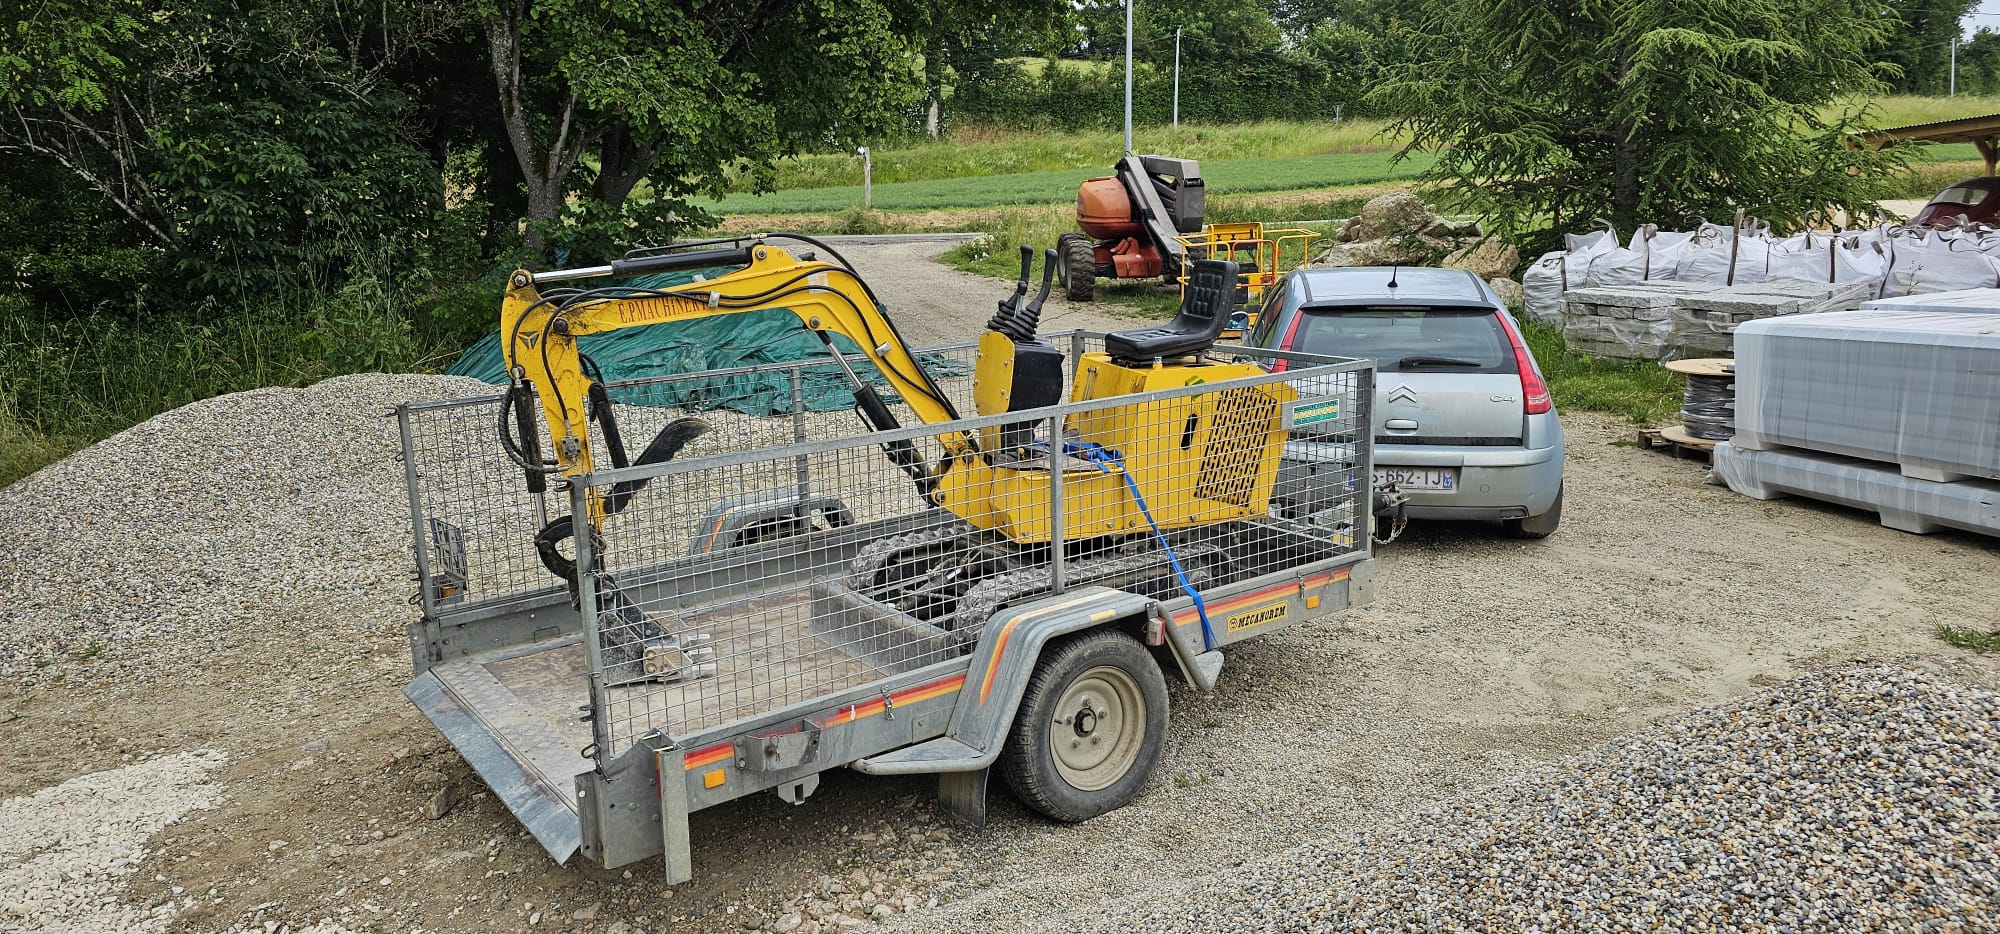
(1105, 459)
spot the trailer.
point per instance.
(760, 611)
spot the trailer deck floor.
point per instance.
(766, 656)
(530, 701)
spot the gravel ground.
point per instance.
(234, 576)
(65, 851)
(1861, 799)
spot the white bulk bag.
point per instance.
(1705, 257)
(1662, 250)
(1801, 258)
(1616, 266)
(1927, 262)
(1543, 284)
(1859, 260)
(1725, 255)
(1753, 259)
(1597, 241)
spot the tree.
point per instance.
(1357, 42)
(250, 145)
(1543, 115)
(597, 96)
(966, 39)
(1919, 43)
(1979, 64)
(1299, 18)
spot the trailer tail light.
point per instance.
(1156, 631)
(1534, 392)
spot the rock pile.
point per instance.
(1399, 229)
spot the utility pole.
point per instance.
(1128, 77)
(1956, 35)
(867, 178)
(1177, 77)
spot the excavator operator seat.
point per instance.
(1205, 307)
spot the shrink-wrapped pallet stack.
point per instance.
(1892, 410)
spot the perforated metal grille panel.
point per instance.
(1242, 417)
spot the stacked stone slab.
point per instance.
(1705, 325)
(1635, 320)
(1671, 320)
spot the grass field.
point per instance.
(972, 152)
(984, 167)
(975, 151)
(1047, 187)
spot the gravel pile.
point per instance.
(275, 513)
(1857, 800)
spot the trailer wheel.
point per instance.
(1076, 266)
(1090, 727)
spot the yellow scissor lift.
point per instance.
(1262, 254)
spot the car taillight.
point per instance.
(1534, 392)
(1285, 343)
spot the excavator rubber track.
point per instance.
(894, 571)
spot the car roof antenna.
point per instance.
(1392, 275)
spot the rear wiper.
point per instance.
(1434, 361)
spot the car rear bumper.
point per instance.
(1493, 483)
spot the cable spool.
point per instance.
(1708, 410)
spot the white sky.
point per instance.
(1984, 16)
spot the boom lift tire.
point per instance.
(1076, 267)
(1090, 727)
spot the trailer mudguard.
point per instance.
(1008, 649)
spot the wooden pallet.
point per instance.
(1678, 442)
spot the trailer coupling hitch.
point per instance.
(1388, 508)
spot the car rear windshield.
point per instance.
(1964, 194)
(1409, 340)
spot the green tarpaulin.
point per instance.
(773, 335)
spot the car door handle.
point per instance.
(1401, 424)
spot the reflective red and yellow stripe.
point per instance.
(709, 755)
(1224, 607)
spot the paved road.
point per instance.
(934, 304)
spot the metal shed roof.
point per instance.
(1982, 132)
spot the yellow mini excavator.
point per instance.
(1136, 478)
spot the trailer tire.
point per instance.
(1076, 265)
(1090, 727)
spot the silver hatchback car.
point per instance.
(1464, 426)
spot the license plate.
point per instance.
(1413, 478)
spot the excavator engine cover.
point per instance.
(1104, 210)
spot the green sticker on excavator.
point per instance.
(1305, 413)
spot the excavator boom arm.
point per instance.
(539, 333)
